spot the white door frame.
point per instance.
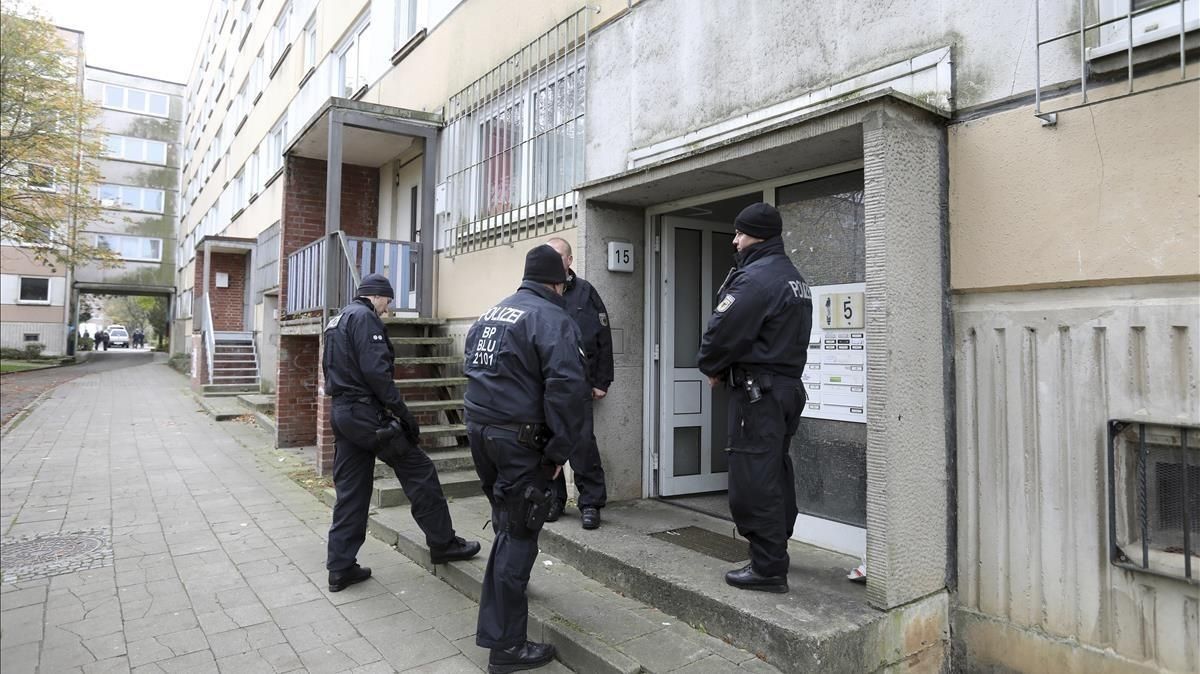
(835, 536)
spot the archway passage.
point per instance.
(119, 319)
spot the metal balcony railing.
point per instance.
(1154, 498)
(357, 257)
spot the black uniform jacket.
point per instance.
(763, 316)
(359, 359)
(523, 365)
(587, 309)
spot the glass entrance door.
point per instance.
(692, 457)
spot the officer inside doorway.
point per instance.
(757, 344)
(585, 307)
(371, 420)
(525, 388)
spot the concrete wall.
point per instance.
(1039, 373)
(672, 66)
(1109, 194)
(468, 284)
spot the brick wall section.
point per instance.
(302, 415)
(228, 304)
(296, 391)
(303, 219)
(199, 363)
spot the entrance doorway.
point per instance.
(823, 234)
(693, 429)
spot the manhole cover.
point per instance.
(53, 554)
(706, 542)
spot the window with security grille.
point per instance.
(512, 151)
(1154, 509)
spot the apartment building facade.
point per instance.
(34, 307)
(995, 208)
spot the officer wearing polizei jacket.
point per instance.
(585, 307)
(757, 343)
(369, 420)
(525, 390)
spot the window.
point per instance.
(237, 111)
(558, 136)
(40, 177)
(280, 37)
(136, 149)
(275, 142)
(1157, 24)
(31, 337)
(352, 63)
(138, 248)
(34, 290)
(244, 16)
(256, 77)
(238, 186)
(132, 198)
(405, 23)
(252, 184)
(310, 44)
(135, 100)
(500, 152)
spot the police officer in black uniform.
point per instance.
(525, 391)
(370, 420)
(757, 343)
(586, 308)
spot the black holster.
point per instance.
(527, 513)
(391, 442)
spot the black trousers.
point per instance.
(762, 488)
(505, 469)
(585, 462)
(354, 426)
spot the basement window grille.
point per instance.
(1154, 498)
(513, 147)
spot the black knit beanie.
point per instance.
(759, 220)
(543, 264)
(375, 284)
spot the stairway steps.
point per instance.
(387, 492)
(421, 341)
(431, 382)
(412, 320)
(444, 431)
(428, 360)
(433, 405)
(445, 460)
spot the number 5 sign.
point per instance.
(841, 310)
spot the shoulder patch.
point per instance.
(725, 304)
(603, 319)
(333, 322)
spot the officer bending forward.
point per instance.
(757, 343)
(524, 402)
(370, 420)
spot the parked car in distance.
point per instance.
(118, 336)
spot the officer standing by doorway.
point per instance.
(757, 343)
(525, 388)
(370, 420)
(585, 307)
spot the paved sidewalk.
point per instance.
(19, 389)
(182, 550)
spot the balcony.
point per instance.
(354, 257)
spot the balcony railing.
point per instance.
(357, 257)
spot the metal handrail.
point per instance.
(210, 337)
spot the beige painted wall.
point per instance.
(17, 260)
(456, 53)
(1108, 194)
(34, 313)
(468, 284)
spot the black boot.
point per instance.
(590, 516)
(458, 549)
(746, 578)
(528, 655)
(556, 510)
(340, 580)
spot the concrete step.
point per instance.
(445, 460)
(429, 360)
(434, 405)
(605, 633)
(258, 402)
(823, 624)
(444, 431)
(430, 382)
(387, 492)
(221, 407)
(232, 389)
(421, 341)
(412, 320)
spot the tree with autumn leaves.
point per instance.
(47, 139)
